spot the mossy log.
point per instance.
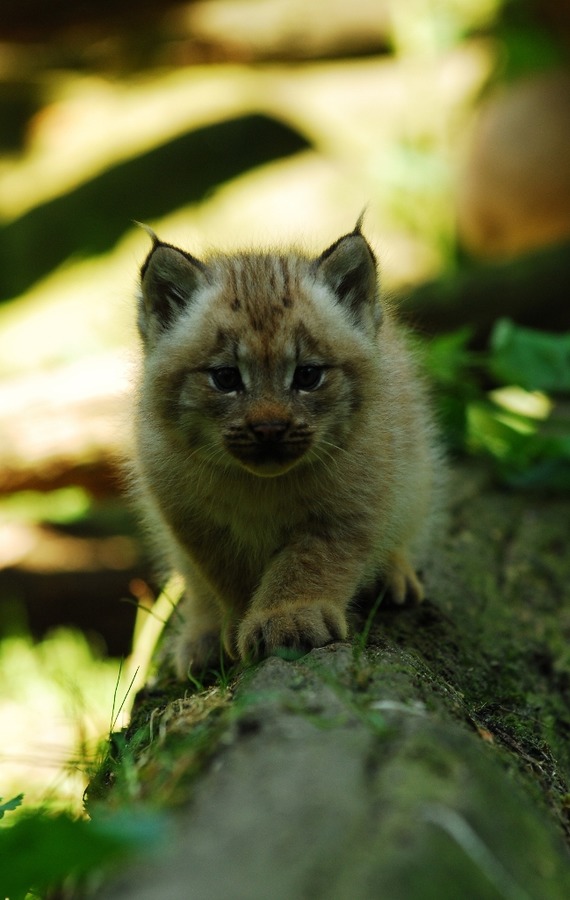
(426, 758)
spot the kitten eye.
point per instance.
(226, 379)
(307, 378)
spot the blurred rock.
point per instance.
(515, 192)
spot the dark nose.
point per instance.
(266, 432)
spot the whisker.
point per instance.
(323, 455)
(334, 446)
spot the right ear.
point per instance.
(169, 279)
(348, 268)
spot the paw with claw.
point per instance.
(296, 628)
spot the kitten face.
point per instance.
(254, 360)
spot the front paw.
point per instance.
(191, 656)
(296, 628)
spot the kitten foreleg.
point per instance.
(196, 644)
(302, 600)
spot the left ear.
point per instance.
(348, 268)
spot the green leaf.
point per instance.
(535, 360)
(446, 357)
(41, 851)
(502, 435)
(527, 452)
(14, 803)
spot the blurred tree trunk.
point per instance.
(428, 758)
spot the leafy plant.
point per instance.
(41, 852)
(535, 360)
(509, 403)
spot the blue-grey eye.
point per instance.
(226, 379)
(307, 378)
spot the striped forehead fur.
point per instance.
(260, 285)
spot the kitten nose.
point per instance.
(269, 431)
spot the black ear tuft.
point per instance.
(348, 268)
(359, 223)
(169, 278)
(152, 235)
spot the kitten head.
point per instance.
(259, 360)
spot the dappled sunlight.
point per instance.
(533, 404)
(85, 308)
(263, 123)
(56, 706)
(92, 123)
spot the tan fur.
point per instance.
(278, 501)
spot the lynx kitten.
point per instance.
(285, 456)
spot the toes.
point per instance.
(415, 590)
(295, 631)
(335, 624)
(252, 643)
(192, 656)
(402, 583)
(397, 587)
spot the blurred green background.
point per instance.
(224, 123)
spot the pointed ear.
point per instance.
(169, 278)
(348, 268)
